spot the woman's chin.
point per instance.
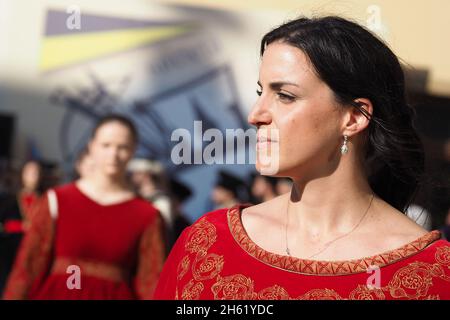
(267, 169)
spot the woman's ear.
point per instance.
(357, 116)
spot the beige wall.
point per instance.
(417, 30)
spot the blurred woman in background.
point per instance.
(16, 211)
(32, 189)
(263, 188)
(94, 238)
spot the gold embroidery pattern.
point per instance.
(202, 237)
(204, 266)
(275, 292)
(323, 268)
(321, 294)
(412, 281)
(183, 267)
(443, 256)
(207, 267)
(235, 287)
(192, 290)
(364, 293)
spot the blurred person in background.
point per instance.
(16, 212)
(227, 191)
(263, 188)
(96, 227)
(446, 228)
(150, 182)
(32, 186)
(284, 185)
(419, 215)
(11, 232)
(179, 193)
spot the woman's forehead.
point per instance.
(284, 62)
(112, 129)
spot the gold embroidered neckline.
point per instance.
(318, 267)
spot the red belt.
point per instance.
(91, 268)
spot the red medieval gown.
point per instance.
(216, 259)
(117, 249)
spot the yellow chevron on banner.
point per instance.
(63, 50)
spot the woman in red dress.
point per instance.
(31, 189)
(331, 116)
(92, 239)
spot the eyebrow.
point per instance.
(278, 84)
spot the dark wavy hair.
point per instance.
(354, 63)
(123, 120)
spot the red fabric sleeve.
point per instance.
(13, 226)
(150, 260)
(166, 288)
(34, 255)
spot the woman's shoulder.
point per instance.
(216, 218)
(141, 209)
(64, 189)
(393, 226)
(212, 224)
(142, 203)
(437, 252)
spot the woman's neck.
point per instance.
(104, 183)
(328, 205)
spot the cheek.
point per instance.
(125, 155)
(307, 132)
(298, 128)
(98, 154)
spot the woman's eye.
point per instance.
(285, 97)
(259, 92)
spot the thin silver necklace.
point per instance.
(327, 244)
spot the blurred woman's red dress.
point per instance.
(216, 259)
(117, 249)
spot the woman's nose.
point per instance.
(260, 114)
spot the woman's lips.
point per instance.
(263, 143)
(264, 139)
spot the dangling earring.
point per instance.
(344, 147)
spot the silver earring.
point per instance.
(344, 147)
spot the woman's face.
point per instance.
(259, 186)
(31, 174)
(111, 148)
(298, 121)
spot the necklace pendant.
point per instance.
(288, 252)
